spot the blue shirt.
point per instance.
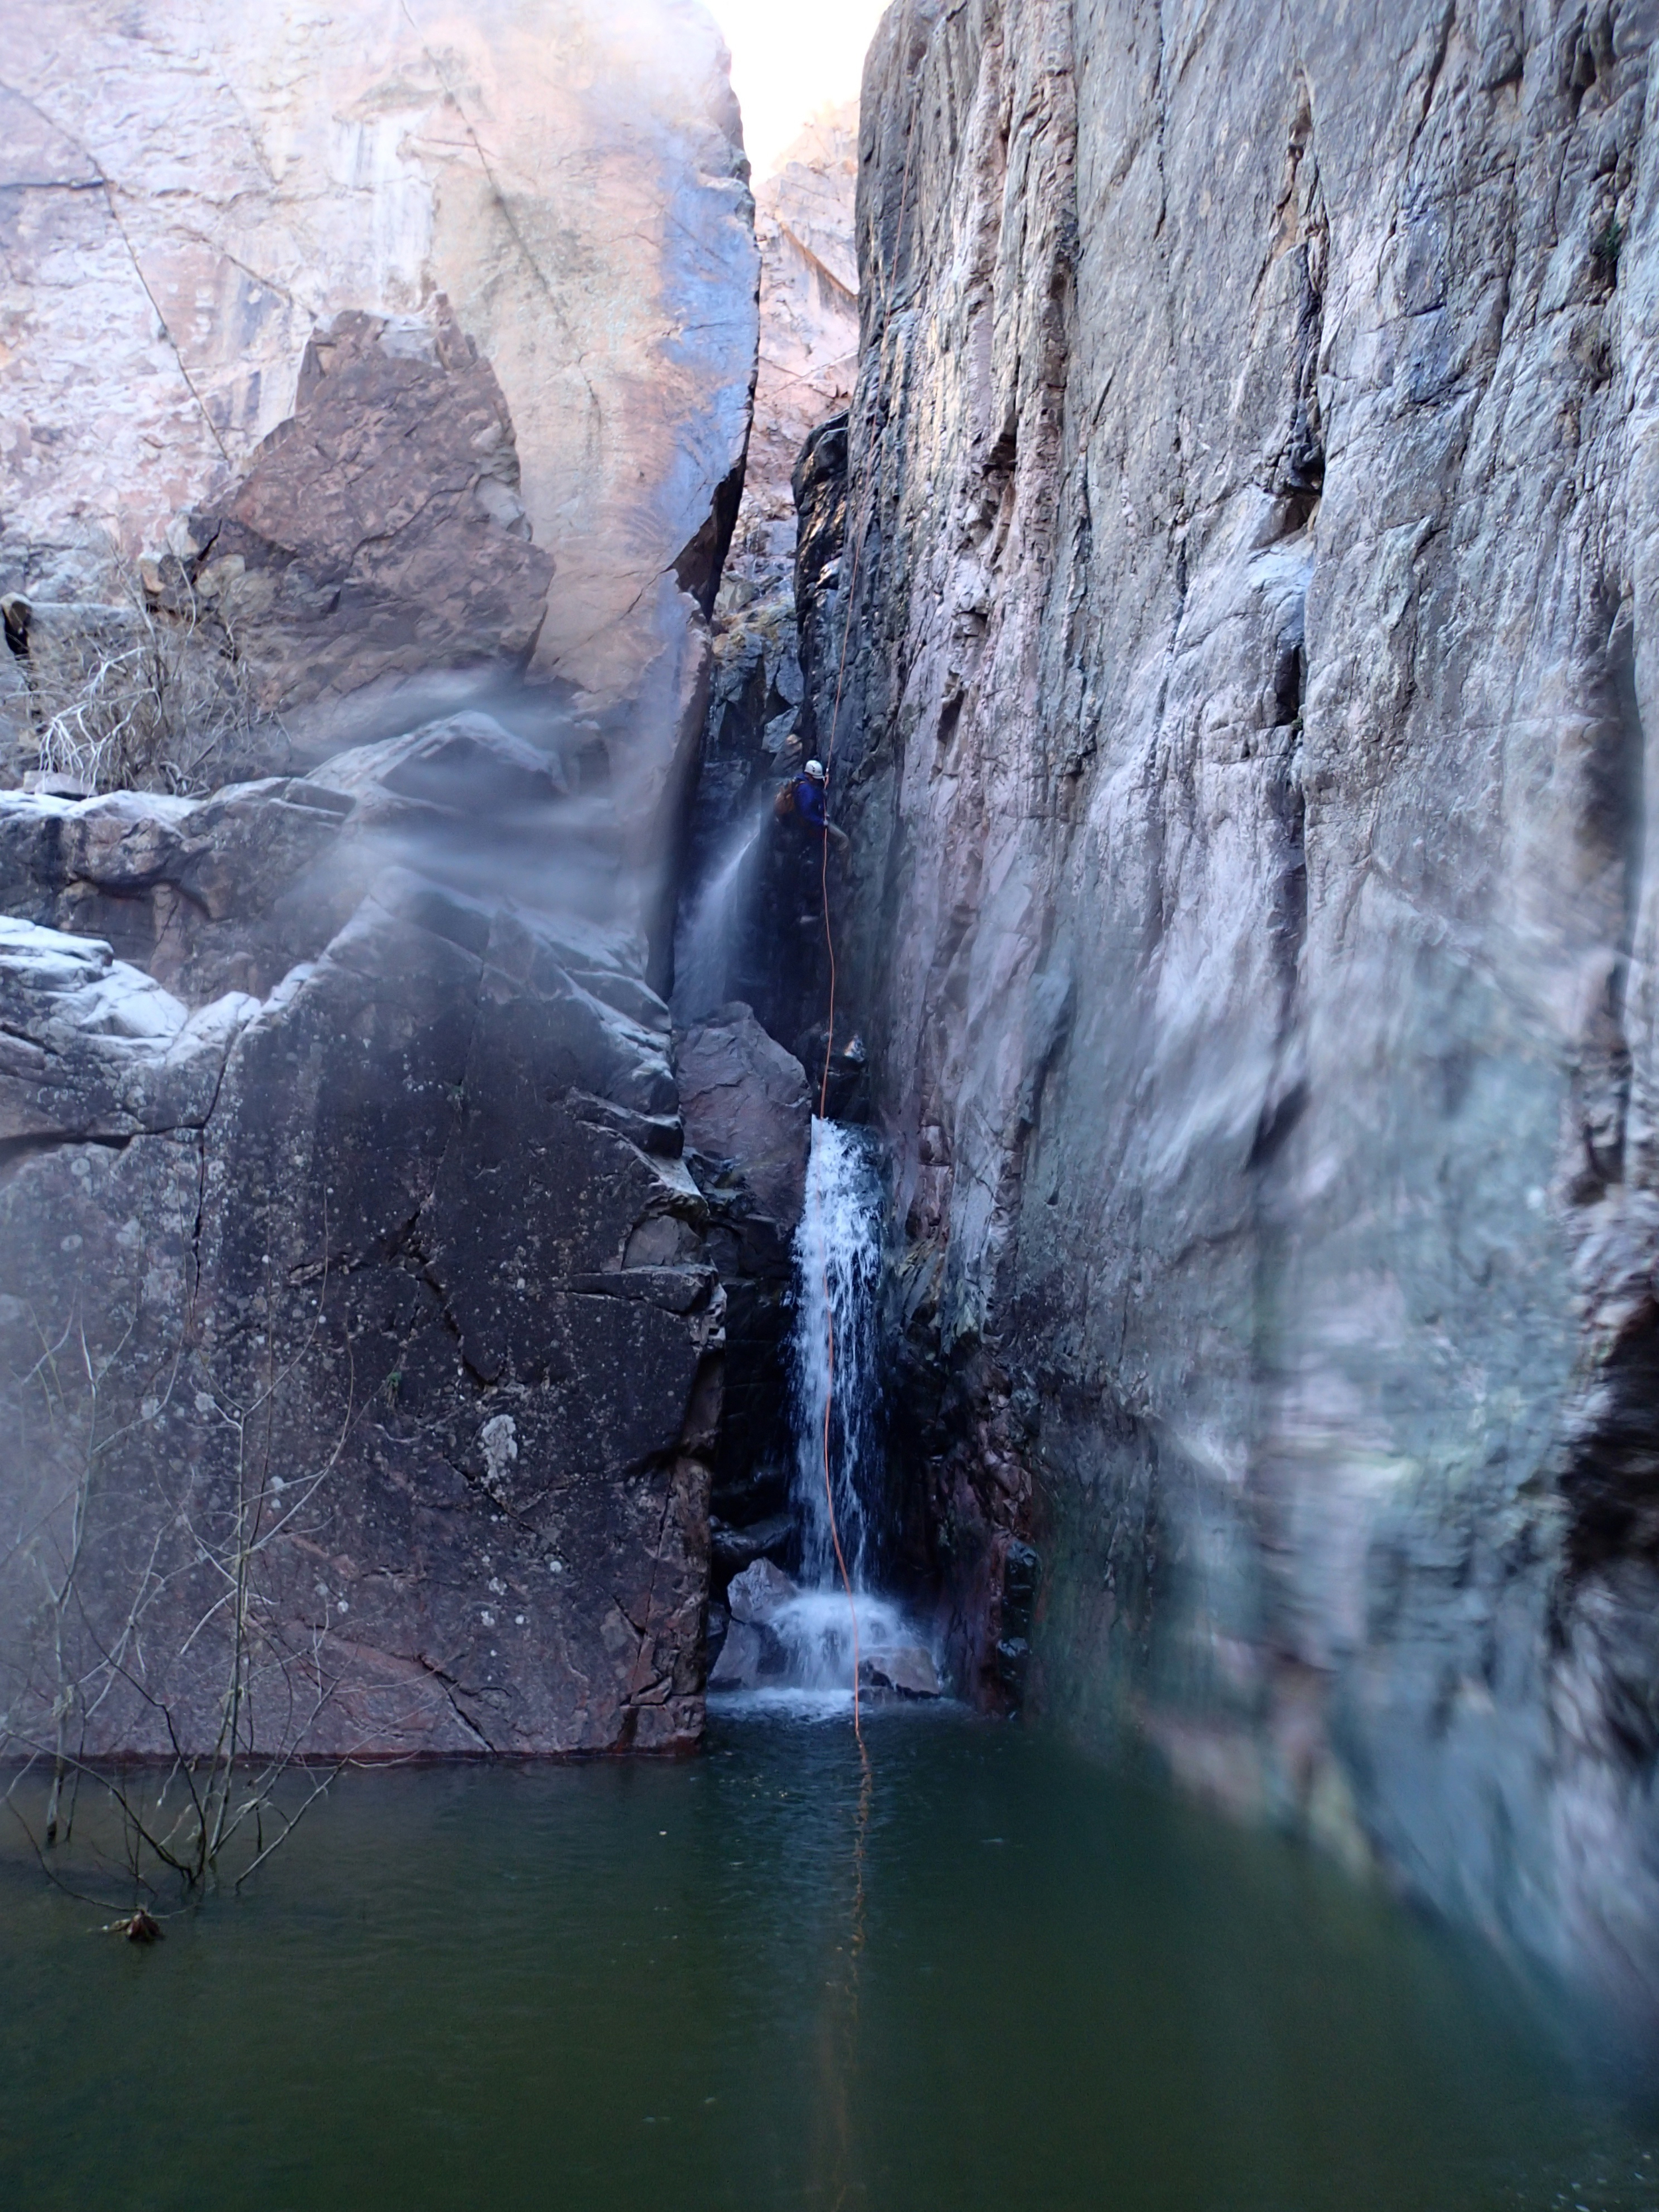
(809, 802)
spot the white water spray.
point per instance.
(707, 937)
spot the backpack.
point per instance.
(784, 805)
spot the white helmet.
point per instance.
(815, 769)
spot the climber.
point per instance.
(804, 800)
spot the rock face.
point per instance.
(414, 307)
(809, 337)
(1246, 754)
(379, 533)
(808, 348)
(748, 1126)
(358, 1345)
(744, 1098)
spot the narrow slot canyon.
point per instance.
(828, 1205)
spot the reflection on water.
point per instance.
(640, 1984)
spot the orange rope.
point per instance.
(829, 947)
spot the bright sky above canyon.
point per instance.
(790, 58)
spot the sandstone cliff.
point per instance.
(1251, 530)
(428, 329)
(361, 1333)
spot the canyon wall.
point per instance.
(544, 204)
(808, 350)
(359, 1351)
(1250, 570)
(748, 935)
(361, 1333)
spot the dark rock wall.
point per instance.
(1244, 744)
(748, 1125)
(360, 1350)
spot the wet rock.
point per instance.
(735, 1548)
(909, 1669)
(744, 1098)
(1262, 1038)
(758, 1594)
(741, 1655)
(748, 1116)
(374, 1258)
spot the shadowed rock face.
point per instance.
(1245, 754)
(759, 705)
(748, 1130)
(382, 1293)
(745, 1099)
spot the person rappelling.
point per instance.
(804, 801)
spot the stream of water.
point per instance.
(837, 1478)
(706, 940)
(835, 1357)
(1001, 1979)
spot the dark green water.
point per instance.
(642, 1986)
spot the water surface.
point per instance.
(1001, 1979)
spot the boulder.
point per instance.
(745, 1099)
(759, 1592)
(748, 1121)
(908, 1669)
(739, 1665)
(379, 533)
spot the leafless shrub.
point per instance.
(150, 688)
(210, 1813)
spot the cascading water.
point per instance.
(792, 1639)
(709, 935)
(835, 1359)
(803, 1632)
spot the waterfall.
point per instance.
(793, 1639)
(837, 1285)
(707, 936)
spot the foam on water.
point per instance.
(816, 1630)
